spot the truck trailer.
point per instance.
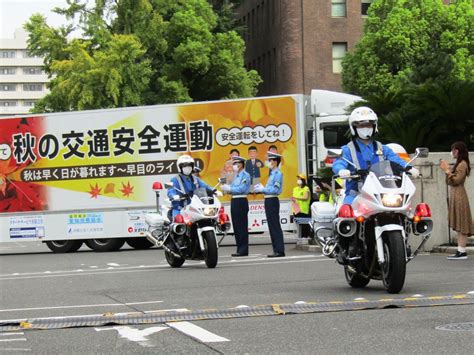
(85, 177)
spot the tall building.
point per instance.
(22, 79)
(298, 45)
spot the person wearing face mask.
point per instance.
(363, 151)
(187, 182)
(239, 205)
(272, 204)
(300, 203)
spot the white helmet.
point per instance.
(360, 115)
(185, 160)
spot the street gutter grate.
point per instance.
(256, 311)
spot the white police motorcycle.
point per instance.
(370, 238)
(192, 234)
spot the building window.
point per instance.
(7, 87)
(27, 54)
(338, 8)
(338, 52)
(30, 103)
(7, 54)
(32, 71)
(32, 87)
(5, 103)
(7, 71)
(364, 7)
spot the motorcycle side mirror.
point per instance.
(221, 180)
(168, 185)
(422, 152)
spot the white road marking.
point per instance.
(247, 262)
(15, 339)
(113, 264)
(15, 349)
(9, 334)
(133, 334)
(196, 332)
(79, 306)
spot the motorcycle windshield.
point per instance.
(204, 196)
(388, 173)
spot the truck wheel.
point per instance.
(173, 261)
(210, 252)
(355, 279)
(101, 245)
(64, 246)
(394, 268)
(139, 243)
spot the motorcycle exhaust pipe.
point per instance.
(346, 227)
(151, 238)
(171, 252)
(178, 228)
(423, 227)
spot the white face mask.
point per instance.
(235, 167)
(365, 133)
(299, 182)
(187, 170)
(452, 155)
(268, 164)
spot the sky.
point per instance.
(14, 13)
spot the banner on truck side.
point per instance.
(94, 160)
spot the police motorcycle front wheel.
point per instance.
(210, 249)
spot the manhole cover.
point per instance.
(462, 327)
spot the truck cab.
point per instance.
(326, 126)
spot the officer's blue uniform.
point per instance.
(367, 156)
(239, 208)
(190, 183)
(272, 209)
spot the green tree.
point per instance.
(414, 66)
(139, 52)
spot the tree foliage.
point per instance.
(139, 52)
(415, 66)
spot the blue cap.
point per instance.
(238, 159)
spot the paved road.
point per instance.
(35, 283)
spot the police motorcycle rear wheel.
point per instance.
(394, 268)
(173, 261)
(210, 249)
(354, 278)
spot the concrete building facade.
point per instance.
(298, 45)
(22, 79)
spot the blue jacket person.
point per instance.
(272, 204)
(239, 205)
(363, 150)
(186, 182)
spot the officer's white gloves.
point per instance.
(175, 198)
(258, 188)
(225, 188)
(218, 193)
(414, 172)
(344, 173)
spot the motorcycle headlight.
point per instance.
(392, 200)
(209, 211)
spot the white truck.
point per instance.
(85, 177)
